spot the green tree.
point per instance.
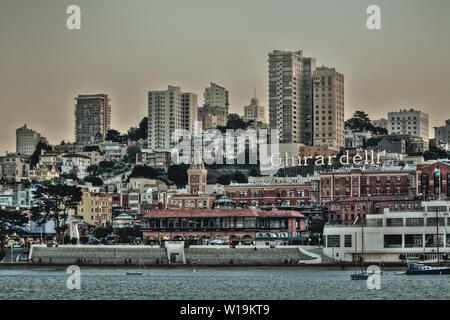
(113, 135)
(143, 127)
(178, 174)
(52, 202)
(34, 159)
(96, 181)
(102, 232)
(435, 153)
(254, 172)
(106, 164)
(10, 222)
(239, 177)
(92, 169)
(224, 180)
(132, 151)
(359, 121)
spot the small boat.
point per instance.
(418, 268)
(360, 276)
(136, 273)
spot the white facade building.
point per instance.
(391, 236)
(77, 164)
(254, 112)
(443, 133)
(410, 122)
(26, 140)
(290, 96)
(169, 110)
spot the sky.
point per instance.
(127, 48)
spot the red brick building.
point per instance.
(428, 181)
(220, 223)
(360, 182)
(273, 194)
(348, 210)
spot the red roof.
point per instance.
(194, 213)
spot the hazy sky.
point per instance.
(126, 48)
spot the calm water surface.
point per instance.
(217, 284)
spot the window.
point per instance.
(333, 241)
(414, 222)
(348, 241)
(392, 240)
(394, 222)
(413, 241)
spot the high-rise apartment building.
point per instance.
(254, 111)
(169, 110)
(189, 103)
(26, 141)
(328, 108)
(443, 133)
(290, 96)
(216, 105)
(92, 118)
(410, 122)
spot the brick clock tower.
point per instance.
(197, 178)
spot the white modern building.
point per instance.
(393, 236)
(76, 164)
(290, 96)
(113, 151)
(214, 111)
(169, 110)
(254, 112)
(26, 140)
(443, 133)
(411, 122)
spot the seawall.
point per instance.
(169, 255)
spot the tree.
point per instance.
(42, 145)
(102, 232)
(106, 164)
(239, 177)
(113, 135)
(132, 151)
(140, 132)
(10, 222)
(92, 169)
(144, 172)
(435, 153)
(178, 174)
(254, 172)
(224, 180)
(53, 201)
(96, 181)
(143, 127)
(359, 121)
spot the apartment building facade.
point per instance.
(26, 140)
(169, 110)
(328, 108)
(92, 118)
(411, 122)
(290, 96)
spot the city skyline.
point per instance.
(44, 66)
